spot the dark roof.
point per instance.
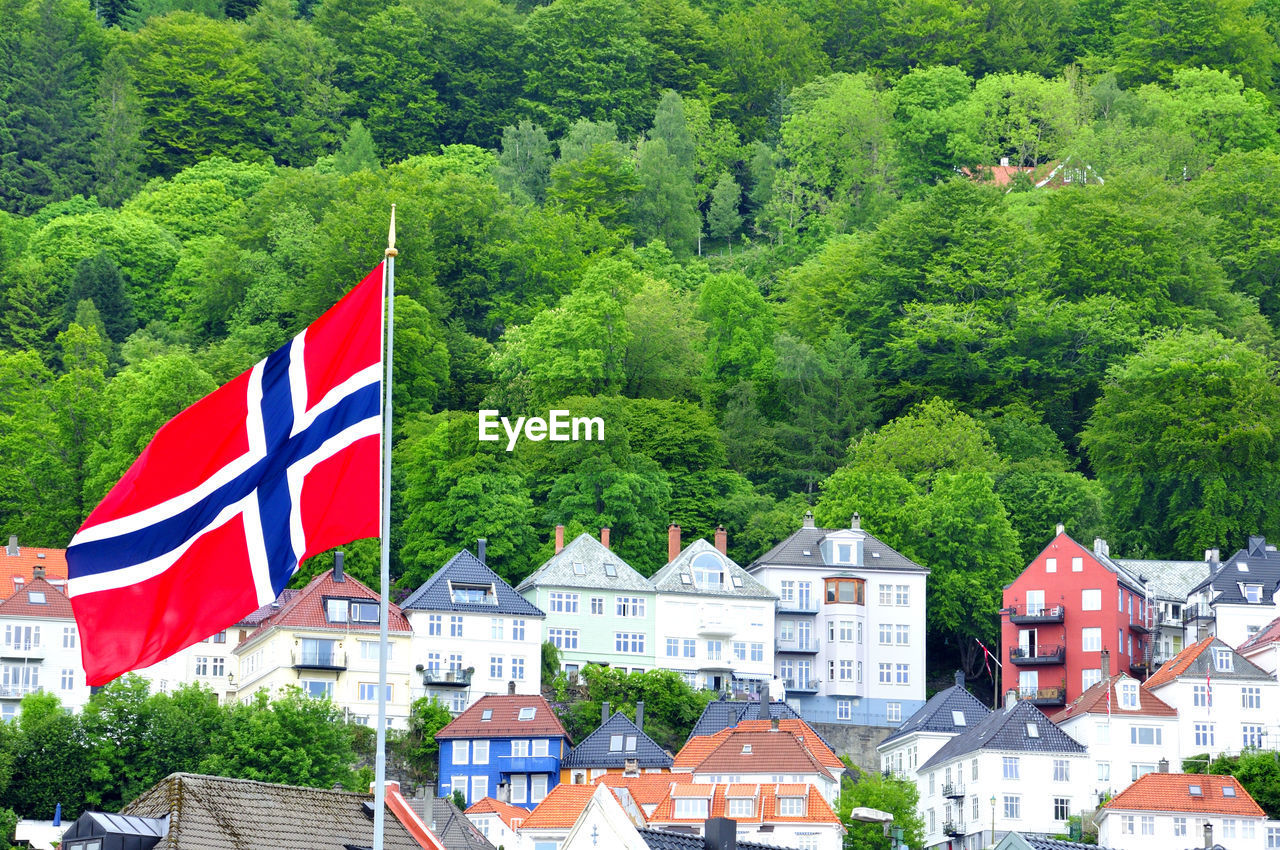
(215, 813)
(936, 714)
(1007, 730)
(660, 839)
(452, 827)
(1261, 566)
(876, 554)
(595, 749)
(725, 714)
(1043, 842)
(466, 568)
(94, 824)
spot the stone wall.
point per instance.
(857, 742)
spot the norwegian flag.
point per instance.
(233, 493)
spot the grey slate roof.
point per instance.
(1263, 563)
(876, 554)
(1030, 841)
(668, 579)
(1168, 579)
(464, 567)
(936, 714)
(725, 714)
(1006, 730)
(216, 813)
(594, 750)
(584, 549)
(660, 839)
(452, 827)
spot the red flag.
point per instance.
(233, 493)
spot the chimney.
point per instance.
(481, 545)
(1163, 766)
(673, 542)
(337, 566)
(856, 522)
(959, 678)
(511, 688)
(721, 834)
(604, 711)
(808, 519)
(1010, 699)
(604, 537)
(1208, 834)
(12, 549)
(1062, 529)
(37, 571)
(640, 715)
(722, 540)
(1104, 661)
(502, 793)
(559, 538)
(1100, 547)
(1211, 555)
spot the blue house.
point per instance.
(514, 740)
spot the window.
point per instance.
(1061, 808)
(455, 626)
(803, 595)
(1253, 592)
(461, 752)
(1050, 565)
(708, 571)
(901, 635)
(519, 787)
(597, 606)
(1146, 736)
(846, 590)
(1228, 827)
(901, 594)
(529, 712)
(369, 692)
(714, 650)
(611, 569)
(369, 650)
(1126, 824)
(563, 638)
(495, 666)
(1251, 697)
(564, 603)
(673, 647)
(517, 669)
(757, 652)
(1140, 769)
(1104, 771)
(1129, 695)
(741, 807)
(1010, 767)
(786, 630)
(844, 709)
(1012, 806)
(973, 770)
(689, 648)
(519, 749)
(1252, 735)
(629, 642)
(846, 671)
(1222, 659)
(1091, 639)
(1090, 677)
(68, 678)
(791, 807)
(1179, 827)
(1200, 695)
(1061, 770)
(886, 673)
(1091, 600)
(974, 814)
(1077, 565)
(691, 807)
(788, 593)
(1273, 837)
(903, 674)
(1033, 731)
(886, 634)
(537, 787)
(36, 597)
(630, 606)
(316, 689)
(1204, 734)
(846, 631)
(218, 666)
(893, 712)
(434, 622)
(202, 665)
(69, 637)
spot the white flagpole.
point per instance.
(380, 768)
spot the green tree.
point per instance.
(1020, 116)
(664, 208)
(598, 184)
(723, 219)
(118, 151)
(427, 716)
(888, 794)
(1183, 438)
(922, 104)
(357, 152)
(99, 280)
(524, 168)
(662, 359)
(671, 706)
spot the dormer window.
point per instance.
(1128, 692)
(472, 594)
(741, 807)
(708, 571)
(1222, 659)
(350, 611)
(1252, 592)
(36, 597)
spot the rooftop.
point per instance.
(1257, 563)
(939, 714)
(506, 716)
(802, 549)
(38, 598)
(1187, 792)
(561, 808)
(587, 563)
(615, 742)
(764, 809)
(1010, 730)
(1198, 660)
(1094, 701)
(17, 564)
(308, 609)
(701, 558)
(511, 815)
(1268, 634)
(465, 584)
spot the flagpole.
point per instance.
(380, 761)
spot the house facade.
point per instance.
(1168, 584)
(714, 622)
(850, 625)
(1263, 649)
(617, 745)
(1069, 605)
(324, 640)
(39, 647)
(1238, 598)
(498, 821)
(513, 740)
(1166, 810)
(947, 714)
(598, 609)
(472, 634)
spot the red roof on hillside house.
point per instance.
(54, 606)
(1172, 792)
(764, 806)
(18, 565)
(503, 719)
(306, 608)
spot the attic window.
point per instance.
(1194, 791)
(708, 571)
(957, 717)
(737, 581)
(875, 554)
(631, 743)
(611, 570)
(1033, 731)
(685, 578)
(615, 743)
(746, 749)
(36, 597)
(1228, 790)
(579, 568)
(472, 594)
(1252, 592)
(527, 713)
(364, 612)
(1242, 567)
(808, 551)
(486, 714)
(1222, 659)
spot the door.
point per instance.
(1028, 683)
(1035, 602)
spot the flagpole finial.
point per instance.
(391, 235)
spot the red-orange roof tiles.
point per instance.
(647, 789)
(511, 815)
(504, 719)
(561, 808)
(761, 752)
(1094, 701)
(55, 605)
(1175, 666)
(22, 565)
(765, 808)
(306, 609)
(1171, 792)
(697, 749)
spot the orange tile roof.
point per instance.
(1171, 792)
(504, 720)
(509, 813)
(1175, 666)
(698, 748)
(57, 606)
(765, 810)
(647, 789)
(1094, 701)
(762, 752)
(561, 808)
(20, 566)
(305, 609)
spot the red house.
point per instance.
(1066, 607)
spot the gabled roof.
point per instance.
(1094, 701)
(765, 809)
(801, 549)
(589, 555)
(1006, 731)
(215, 813)
(763, 752)
(56, 606)
(677, 576)
(647, 789)
(1171, 580)
(1197, 661)
(1261, 565)
(1267, 635)
(1171, 792)
(1031, 841)
(464, 568)
(257, 617)
(510, 814)
(725, 714)
(504, 721)
(454, 830)
(561, 808)
(306, 609)
(658, 839)
(18, 565)
(597, 749)
(698, 749)
(938, 714)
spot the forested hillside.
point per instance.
(754, 237)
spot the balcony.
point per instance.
(319, 660)
(953, 790)
(1191, 613)
(801, 686)
(1139, 627)
(18, 691)
(528, 764)
(451, 678)
(953, 829)
(716, 628)
(1026, 615)
(30, 651)
(794, 607)
(1046, 696)
(809, 647)
(1031, 656)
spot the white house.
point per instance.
(714, 623)
(850, 624)
(1225, 702)
(1238, 598)
(472, 635)
(1014, 770)
(39, 647)
(1177, 810)
(1126, 729)
(1263, 649)
(947, 714)
(498, 821)
(782, 814)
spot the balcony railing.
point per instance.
(319, 660)
(1025, 656)
(1190, 613)
(953, 829)
(1045, 696)
(452, 678)
(953, 790)
(1027, 614)
(18, 691)
(22, 649)
(809, 686)
(809, 646)
(795, 607)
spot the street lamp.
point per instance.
(993, 820)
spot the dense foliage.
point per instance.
(752, 236)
